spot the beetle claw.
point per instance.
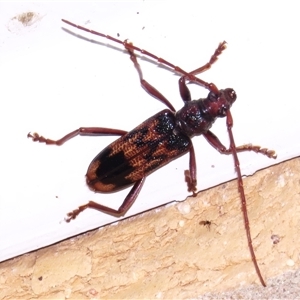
(72, 215)
(36, 137)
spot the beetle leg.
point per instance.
(215, 142)
(130, 198)
(191, 174)
(81, 131)
(184, 91)
(147, 86)
(213, 59)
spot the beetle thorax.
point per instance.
(194, 119)
(197, 116)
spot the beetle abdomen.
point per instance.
(138, 153)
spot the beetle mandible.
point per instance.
(161, 139)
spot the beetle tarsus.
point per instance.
(38, 138)
(192, 184)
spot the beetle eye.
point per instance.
(230, 95)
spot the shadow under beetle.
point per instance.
(161, 139)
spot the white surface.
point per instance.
(53, 82)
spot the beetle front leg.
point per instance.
(130, 198)
(81, 131)
(213, 59)
(184, 91)
(215, 142)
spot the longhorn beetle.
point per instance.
(161, 139)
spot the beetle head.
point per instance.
(218, 104)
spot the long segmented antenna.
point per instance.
(229, 122)
(189, 75)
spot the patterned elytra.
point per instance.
(149, 146)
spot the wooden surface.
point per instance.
(168, 252)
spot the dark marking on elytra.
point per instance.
(112, 167)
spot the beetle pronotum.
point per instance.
(161, 139)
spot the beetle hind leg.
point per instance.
(127, 203)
